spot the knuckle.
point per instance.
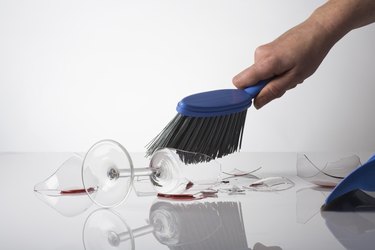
(272, 64)
(295, 80)
(262, 51)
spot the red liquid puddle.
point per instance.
(188, 197)
(77, 191)
(177, 196)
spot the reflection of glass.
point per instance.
(325, 169)
(206, 225)
(309, 202)
(100, 231)
(352, 230)
(192, 226)
(106, 174)
(198, 225)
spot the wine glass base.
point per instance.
(101, 169)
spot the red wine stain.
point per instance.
(177, 196)
(197, 196)
(77, 191)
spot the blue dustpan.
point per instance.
(350, 190)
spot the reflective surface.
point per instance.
(287, 219)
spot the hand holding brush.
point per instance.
(212, 122)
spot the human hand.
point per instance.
(295, 55)
(288, 60)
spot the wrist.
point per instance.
(338, 17)
(329, 23)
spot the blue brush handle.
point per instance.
(254, 90)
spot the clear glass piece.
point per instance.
(238, 184)
(172, 175)
(325, 169)
(309, 202)
(64, 191)
(278, 183)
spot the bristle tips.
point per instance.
(211, 136)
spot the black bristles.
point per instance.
(212, 136)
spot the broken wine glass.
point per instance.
(107, 174)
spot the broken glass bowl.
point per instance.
(106, 175)
(108, 169)
(63, 190)
(326, 169)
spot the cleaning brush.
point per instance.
(209, 123)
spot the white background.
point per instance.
(74, 72)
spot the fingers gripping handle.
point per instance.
(254, 90)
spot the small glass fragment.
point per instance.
(238, 172)
(271, 184)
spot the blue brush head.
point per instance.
(219, 102)
(210, 123)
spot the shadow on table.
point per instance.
(354, 230)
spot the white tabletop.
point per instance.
(289, 219)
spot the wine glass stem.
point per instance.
(136, 232)
(136, 171)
